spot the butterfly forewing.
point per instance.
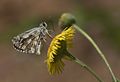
(30, 41)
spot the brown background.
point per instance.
(100, 18)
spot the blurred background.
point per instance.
(99, 18)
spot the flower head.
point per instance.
(58, 50)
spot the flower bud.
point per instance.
(66, 20)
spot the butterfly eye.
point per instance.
(44, 24)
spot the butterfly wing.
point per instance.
(28, 42)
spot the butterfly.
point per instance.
(31, 40)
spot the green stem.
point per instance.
(88, 69)
(83, 65)
(98, 50)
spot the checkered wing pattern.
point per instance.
(30, 41)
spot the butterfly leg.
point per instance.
(49, 35)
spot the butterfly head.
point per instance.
(43, 24)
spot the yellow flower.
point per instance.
(58, 50)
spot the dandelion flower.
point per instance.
(58, 50)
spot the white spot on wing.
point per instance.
(27, 44)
